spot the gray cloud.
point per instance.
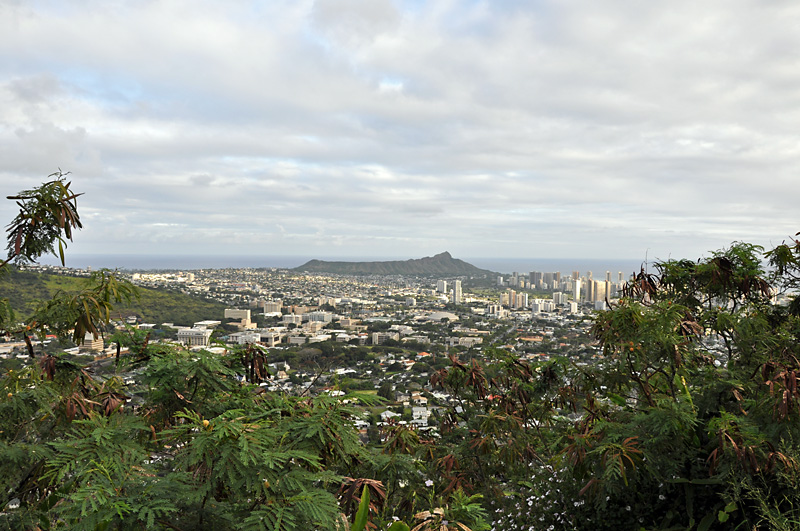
(387, 128)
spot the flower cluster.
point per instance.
(551, 500)
(547, 502)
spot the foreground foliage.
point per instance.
(688, 418)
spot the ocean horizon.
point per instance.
(506, 266)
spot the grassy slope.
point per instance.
(154, 306)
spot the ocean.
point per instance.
(141, 262)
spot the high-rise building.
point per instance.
(273, 306)
(591, 290)
(457, 292)
(441, 286)
(600, 290)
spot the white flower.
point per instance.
(428, 483)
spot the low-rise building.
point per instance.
(91, 343)
(292, 318)
(231, 313)
(194, 337)
(379, 338)
(464, 341)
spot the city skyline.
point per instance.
(338, 128)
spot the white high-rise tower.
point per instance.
(456, 292)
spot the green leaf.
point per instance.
(706, 522)
(617, 399)
(399, 526)
(361, 516)
(723, 516)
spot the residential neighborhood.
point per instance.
(365, 334)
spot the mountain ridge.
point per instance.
(439, 264)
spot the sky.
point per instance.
(404, 128)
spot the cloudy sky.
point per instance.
(403, 128)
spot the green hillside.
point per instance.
(440, 264)
(21, 288)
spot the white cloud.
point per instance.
(336, 127)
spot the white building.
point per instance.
(441, 286)
(403, 330)
(237, 314)
(388, 415)
(457, 292)
(91, 343)
(379, 338)
(269, 338)
(464, 341)
(419, 416)
(243, 338)
(318, 316)
(292, 319)
(194, 337)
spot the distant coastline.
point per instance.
(186, 262)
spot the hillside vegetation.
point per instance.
(21, 288)
(440, 264)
